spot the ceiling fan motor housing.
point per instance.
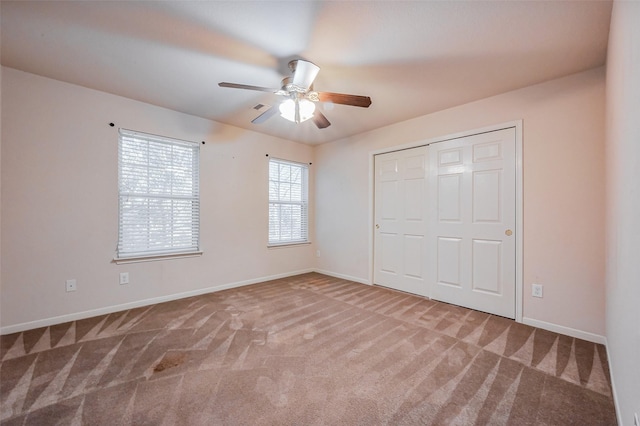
(298, 87)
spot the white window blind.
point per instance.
(158, 181)
(288, 202)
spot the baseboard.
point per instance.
(568, 331)
(343, 276)
(613, 384)
(139, 303)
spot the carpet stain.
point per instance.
(170, 360)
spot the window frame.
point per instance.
(303, 203)
(186, 198)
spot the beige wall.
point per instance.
(0, 198)
(60, 206)
(58, 199)
(623, 207)
(59, 194)
(563, 165)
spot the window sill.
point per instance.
(154, 258)
(285, 245)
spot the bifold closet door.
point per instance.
(471, 233)
(445, 221)
(400, 245)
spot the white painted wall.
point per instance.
(59, 193)
(60, 206)
(0, 197)
(563, 168)
(623, 207)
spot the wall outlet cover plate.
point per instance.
(536, 290)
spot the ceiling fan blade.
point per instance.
(270, 112)
(304, 72)
(320, 120)
(249, 87)
(341, 98)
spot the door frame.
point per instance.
(517, 125)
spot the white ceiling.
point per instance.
(412, 58)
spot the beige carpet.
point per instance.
(307, 350)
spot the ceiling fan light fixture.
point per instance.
(288, 109)
(301, 97)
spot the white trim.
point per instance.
(518, 125)
(285, 245)
(372, 216)
(519, 224)
(613, 385)
(515, 123)
(140, 303)
(567, 331)
(158, 138)
(278, 203)
(343, 276)
(154, 258)
(135, 205)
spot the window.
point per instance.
(158, 181)
(288, 202)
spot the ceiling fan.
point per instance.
(300, 103)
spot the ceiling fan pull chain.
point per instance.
(297, 117)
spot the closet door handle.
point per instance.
(508, 232)
(377, 226)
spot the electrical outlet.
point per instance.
(536, 290)
(124, 278)
(317, 253)
(71, 285)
